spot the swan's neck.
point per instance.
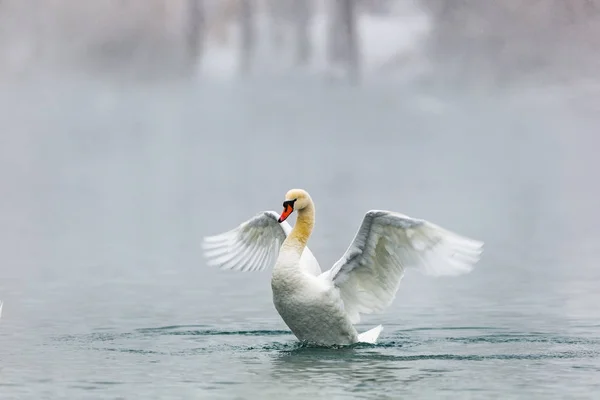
(300, 234)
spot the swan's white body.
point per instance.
(322, 307)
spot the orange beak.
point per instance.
(287, 211)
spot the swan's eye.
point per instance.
(289, 203)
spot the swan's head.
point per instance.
(295, 199)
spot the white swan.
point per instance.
(321, 307)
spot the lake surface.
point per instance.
(108, 190)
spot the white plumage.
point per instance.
(321, 307)
(254, 245)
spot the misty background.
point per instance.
(130, 129)
(431, 41)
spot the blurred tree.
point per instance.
(247, 35)
(194, 32)
(334, 33)
(290, 22)
(343, 37)
(220, 14)
(349, 18)
(278, 10)
(512, 40)
(302, 12)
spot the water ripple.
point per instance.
(415, 345)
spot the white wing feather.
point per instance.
(253, 245)
(369, 273)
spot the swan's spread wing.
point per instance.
(253, 245)
(369, 273)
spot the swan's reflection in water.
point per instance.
(346, 370)
(444, 359)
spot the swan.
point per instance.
(323, 307)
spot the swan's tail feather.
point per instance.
(371, 335)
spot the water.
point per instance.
(108, 190)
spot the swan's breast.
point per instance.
(311, 309)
